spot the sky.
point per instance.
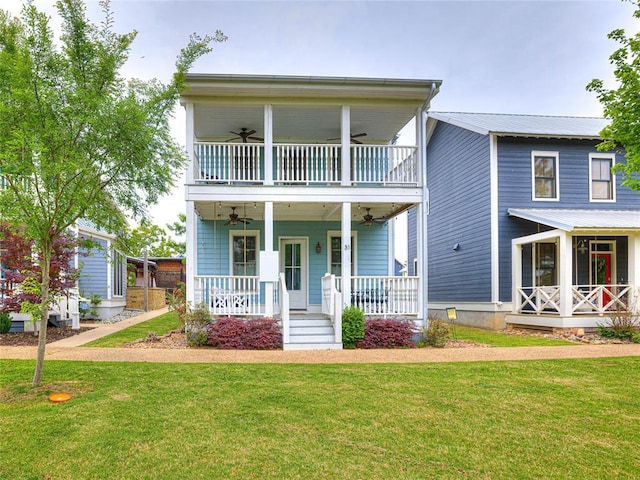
(525, 57)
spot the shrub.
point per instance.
(232, 333)
(387, 333)
(195, 326)
(436, 333)
(352, 326)
(5, 322)
(623, 324)
(177, 301)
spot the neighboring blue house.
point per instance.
(526, 223)
(290, 186)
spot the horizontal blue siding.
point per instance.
(94, 270)
(372, 246)
(459, 185)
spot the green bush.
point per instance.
(195, 325)
(623, 324)
(5, 322)
(436, 333)
(352, 326)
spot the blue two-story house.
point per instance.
(292, 189)
(527, 223)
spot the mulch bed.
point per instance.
(27, 339)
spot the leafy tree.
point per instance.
(153, 239)
(77, 140)
(622, 105)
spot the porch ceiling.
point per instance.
(330, 212)
(574, 219)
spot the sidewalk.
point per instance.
(70, 349)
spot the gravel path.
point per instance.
(71, 349)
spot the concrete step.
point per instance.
(312, 346)
(311, 330)
(313, 322)
(311, 338)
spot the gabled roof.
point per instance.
(524, 125)
(576, 219)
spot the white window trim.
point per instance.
(244, 233)
(354, 248)
(612, 157)
(543, 153)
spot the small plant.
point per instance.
(436, 333)
(195, 326)
(94, 300)
(232, 333)
(388, 333)
(623, 324)
(177, 301)
(5, 322)
(352, 326)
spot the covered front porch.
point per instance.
(578, 275)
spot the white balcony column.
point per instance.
(516, 274)
(192, 259)
(565, 273)
(268, 144)
(268, 247)
(345, 134)
(391, 241)
(421, 143)
(345, 269)
(189, 139)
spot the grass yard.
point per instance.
(498, 339)
(562, 419)
(160, 324)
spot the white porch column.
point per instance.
(346, 145)
(346, 253)
(268, 247)
(516, 274)
(634, 268)
(268, 144)
(422, 270)
(189, 139)
(566, 268)
(191, 252)
(391, 250)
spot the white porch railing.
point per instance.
(284, 309)
(307, 164)
(332, 304)
(586, 299)
(385, 296)
(229, 295)
(228, 162)
(385, 164)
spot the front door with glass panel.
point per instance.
(293, 263)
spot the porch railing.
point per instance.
(229, 295)
(385, 296)
(304, 164)
(586, 299)
(284, 309)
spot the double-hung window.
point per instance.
(602, 182)
(545, 179)
(244, 254)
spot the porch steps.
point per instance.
(311, 332)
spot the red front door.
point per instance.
(601, 268)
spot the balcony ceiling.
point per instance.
(305, 109)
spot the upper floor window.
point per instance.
(545, 176)
(602, 182)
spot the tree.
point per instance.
(153, 239)
(622, 105)
(77, 140)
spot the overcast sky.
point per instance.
(532, 57)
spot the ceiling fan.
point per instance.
(353, 138)
(245, 135)
(234, 218)
(368, 219)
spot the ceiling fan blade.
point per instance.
(250, 132)
(235, 133)
(231, 139)
(357, 142)
(363, 134)
(257, 139)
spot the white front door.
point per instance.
(293, 263)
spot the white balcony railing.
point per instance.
(229, 295)
(586, 299)
(297, 164)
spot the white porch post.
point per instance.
(346, 254)
(191, 252)
(634, 269)
(268, 247)
(268, 144)
(189, 139)
(516, 273)
(566, 267)
(422, 210)
(346, 145)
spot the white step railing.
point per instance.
(586, 299)
(217, 162)
(229, 295)
(284, 309)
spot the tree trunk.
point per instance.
(45, 256)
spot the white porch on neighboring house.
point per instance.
(578, 274)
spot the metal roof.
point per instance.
(575, 219)
(524, 125)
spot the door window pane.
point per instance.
(244, 255)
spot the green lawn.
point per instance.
(562, 419)
(161, 325)
(498, 339)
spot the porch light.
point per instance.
(318, 248)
